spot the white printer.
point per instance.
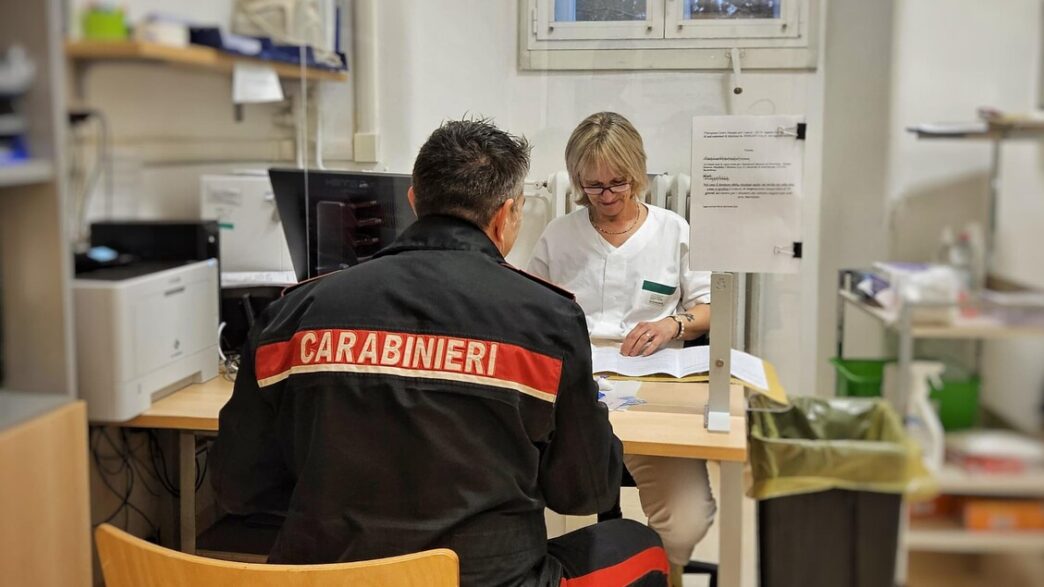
(142, 331)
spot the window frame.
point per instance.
(795, 49)
(787, 26)
(548, 29)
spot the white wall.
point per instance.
(978, 54)
(173, 124)
(856, 95)
(442, 60)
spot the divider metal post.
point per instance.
(723, 312)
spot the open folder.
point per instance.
(690, 364)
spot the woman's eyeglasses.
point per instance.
(617, 188)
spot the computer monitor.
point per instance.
(341, 219)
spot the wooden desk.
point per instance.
(670, 424)
(190, 411)
(192, 408)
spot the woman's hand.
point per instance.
(648, 337)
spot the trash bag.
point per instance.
(843, 443)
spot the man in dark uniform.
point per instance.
(434, 396)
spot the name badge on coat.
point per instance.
(656, 294)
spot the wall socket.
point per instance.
(367, 147)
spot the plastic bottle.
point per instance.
(922, 421)
(963, 253)
(946, 240)
(961, 256)
(974, 240)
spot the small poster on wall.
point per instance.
(747, 183)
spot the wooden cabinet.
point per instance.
(44, 506)
(44, 502)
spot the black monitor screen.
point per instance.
(343, 217)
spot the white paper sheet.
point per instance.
(667, 361)
(677, 363)
(749, 369)
(253, 83)
(235, 279)
(746, 193)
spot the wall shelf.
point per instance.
(954, 480)
(960, 328)
(29, 172)
(1012, 127)
(949, 536)
(195, 56)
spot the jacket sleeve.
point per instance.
(581, 466)
(246, 460)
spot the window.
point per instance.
(737, 19)
(600, 19)
(683, 34)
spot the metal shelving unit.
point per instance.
(957, 481)
(904, 325)
(948, 535)
(27, 173)
(36, 349)
(945, 535)
(996, 130)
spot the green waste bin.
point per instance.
(830, 476)
(957, 401)
(859, 377)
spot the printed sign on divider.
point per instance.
(745, 214)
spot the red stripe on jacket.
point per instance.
(428, 355)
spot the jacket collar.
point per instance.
(438, 232)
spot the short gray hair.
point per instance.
(468, 169)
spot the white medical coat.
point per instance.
(644, 280)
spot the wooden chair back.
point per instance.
(128, 561)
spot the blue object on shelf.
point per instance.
(213, 37)
(13, 150)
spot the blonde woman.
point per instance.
(627, 264)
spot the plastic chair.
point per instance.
(128, 561)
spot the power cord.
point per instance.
(123, 462)
(230, 362)
(122, 456)
(102, 160)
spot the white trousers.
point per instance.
(676, 497)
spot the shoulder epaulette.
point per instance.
(309, 281)
(562, 292)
